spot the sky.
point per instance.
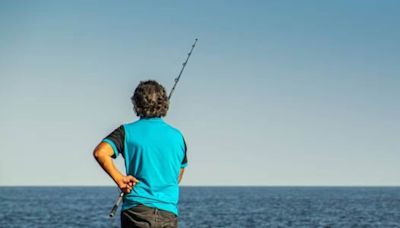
(275, 93)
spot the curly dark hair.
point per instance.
(150, 100)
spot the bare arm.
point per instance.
(181, 175)
(103, 154)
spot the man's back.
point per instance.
(154, 153)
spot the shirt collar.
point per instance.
(151, 119)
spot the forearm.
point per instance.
(109, 167)
(103, 155)
(180, 175)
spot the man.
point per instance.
(155, 158)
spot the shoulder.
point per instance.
(130, 124)
(173, 129)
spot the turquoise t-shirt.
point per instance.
(154, 153)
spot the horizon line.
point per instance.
(56, 185)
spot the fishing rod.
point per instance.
(176, 80)
(183, 67)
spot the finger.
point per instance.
(127, 190)
(132, 179)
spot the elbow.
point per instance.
(103, 152)
(97, 154)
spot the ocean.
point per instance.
(210, 207)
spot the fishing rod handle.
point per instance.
(116, 205)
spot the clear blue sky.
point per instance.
(276, 92)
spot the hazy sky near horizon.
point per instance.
(276, 92)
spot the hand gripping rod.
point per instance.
(121, 195)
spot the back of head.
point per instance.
(150, 100)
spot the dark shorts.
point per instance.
(143, 216)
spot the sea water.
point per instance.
(210, 207)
